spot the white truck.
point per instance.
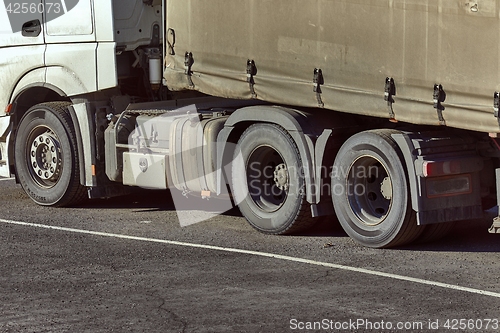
(383, 113)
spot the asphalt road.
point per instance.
(126, 265)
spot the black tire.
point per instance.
(370, 191)
(46, 156)
(268, 181)
(434, 232)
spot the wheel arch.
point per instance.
(293, 121)
(37, 87)
(29, 93)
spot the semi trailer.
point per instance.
(381, 114)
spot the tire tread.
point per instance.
(434, 232)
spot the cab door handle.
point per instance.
(32, 28)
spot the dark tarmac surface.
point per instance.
(54, 280)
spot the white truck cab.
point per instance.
(73, 54)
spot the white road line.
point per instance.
(11, 178)
(262, 254)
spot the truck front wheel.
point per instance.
(268, 181)
(370, 191)
(47, 156)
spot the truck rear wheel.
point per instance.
(47, 156)
(370, 191)
(268, 181)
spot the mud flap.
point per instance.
(495, 227)
(422, 147)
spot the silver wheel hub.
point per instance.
(45, 156)
(386, 188)
(281, 177)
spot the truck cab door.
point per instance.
(21, 51)
(71, 45)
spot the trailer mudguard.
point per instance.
(291, 120)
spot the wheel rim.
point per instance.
(267, 178)
(369, 190)
(44, 156)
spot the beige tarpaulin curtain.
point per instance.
(442, 57)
